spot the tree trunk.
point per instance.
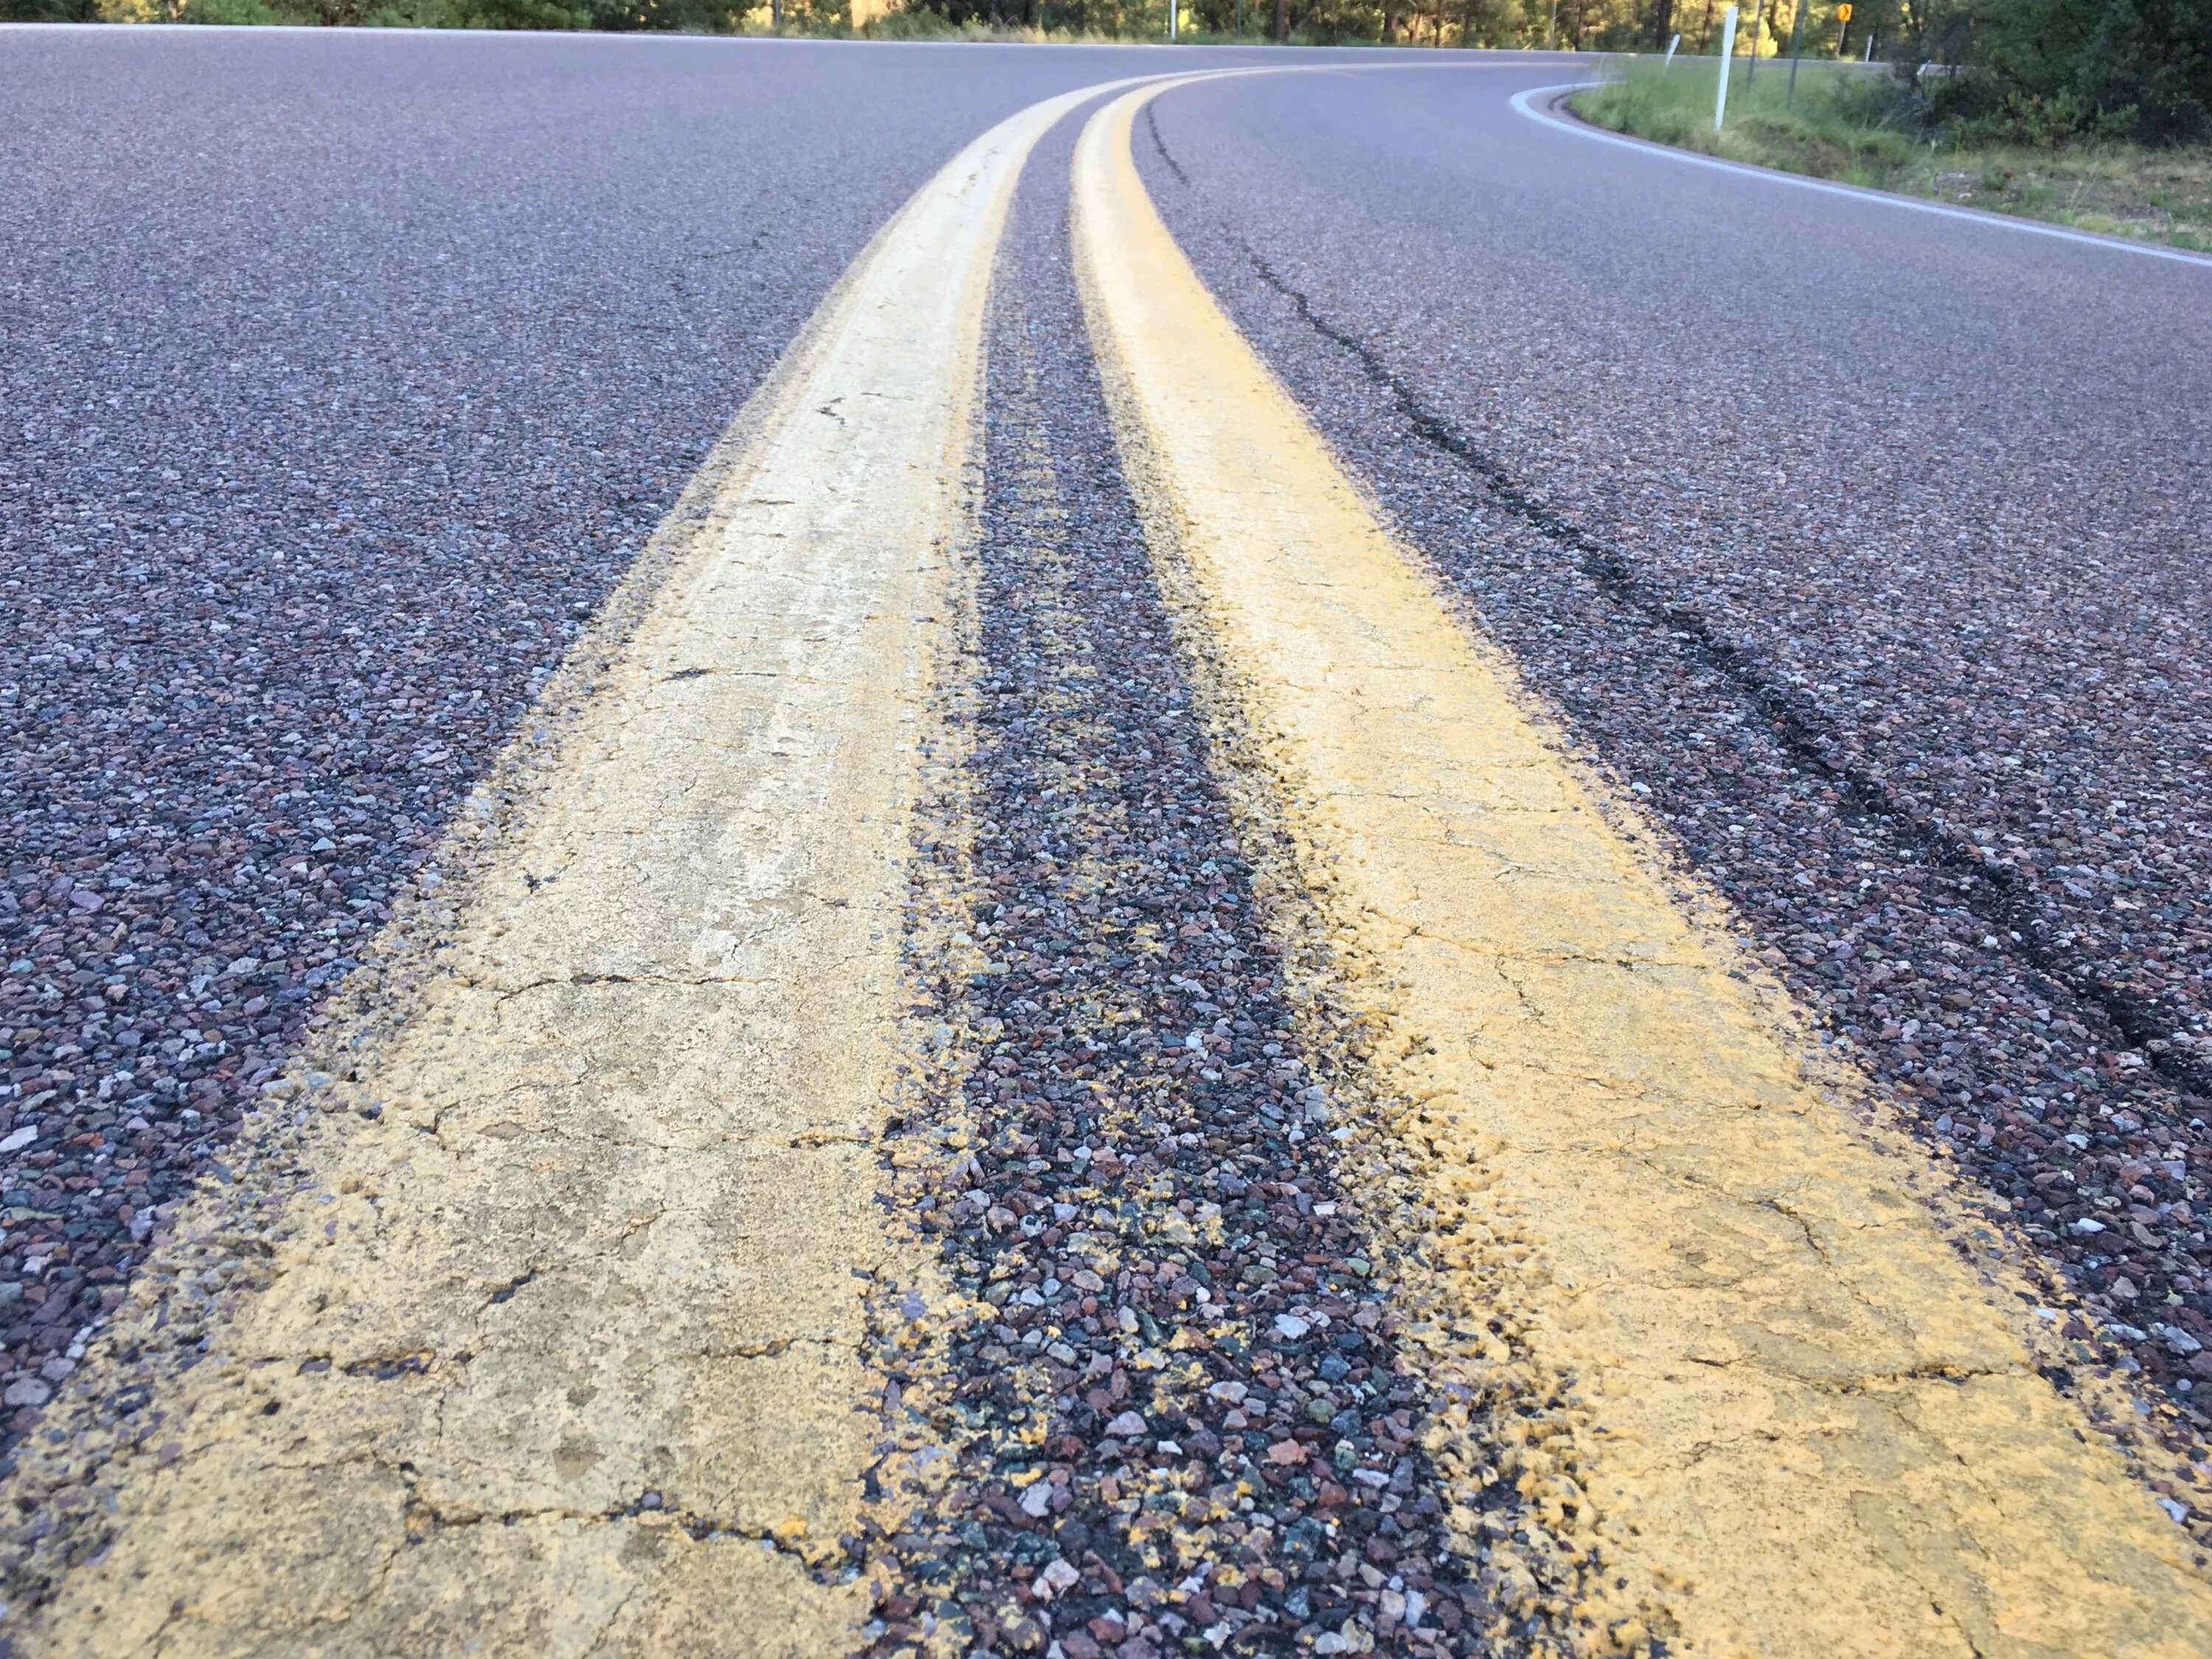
(1662, 23)
(1282, 22)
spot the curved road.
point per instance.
(1850, 556)
(1866, 544)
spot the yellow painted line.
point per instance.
(1754, 1395)
(602, 1241)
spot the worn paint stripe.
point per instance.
(564, 1351)
(1753, 1370)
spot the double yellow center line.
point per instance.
(563, 1353)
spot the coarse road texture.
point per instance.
(1867, 546)
(330, 419)
(578, 1308)
(1047, 1038)
(1788, 1397)
(1181, 1305)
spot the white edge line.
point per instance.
(1523, 101)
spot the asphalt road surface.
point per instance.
(1864, 543)
(1070, 1241)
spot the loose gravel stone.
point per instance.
(1948, 768)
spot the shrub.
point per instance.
(233, 12)
(2042, 71)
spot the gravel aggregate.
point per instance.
(330, 417)
(1890, 621)
(1183, 1421)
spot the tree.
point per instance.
(2041, 70)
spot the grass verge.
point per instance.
(1864, 127)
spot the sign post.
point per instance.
(1728, 51)
(1797, 52)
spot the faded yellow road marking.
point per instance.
(1781, 1414)
(563, 1355)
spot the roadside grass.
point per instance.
(1861, 127)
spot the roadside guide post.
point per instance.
(1797, 52)
(1172, 19)
(1671, 44)
(1728, 51)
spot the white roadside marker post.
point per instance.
(1728, 51)
(1796, 52)
(1671, 44)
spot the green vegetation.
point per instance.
(1842, 122)
(1876, 127)
(2041, 71)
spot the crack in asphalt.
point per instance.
(422, 1514)
(2053, 1044)
(672, 981)
(1989, 888)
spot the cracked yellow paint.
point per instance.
(1750, 1386)
(601, 1242)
